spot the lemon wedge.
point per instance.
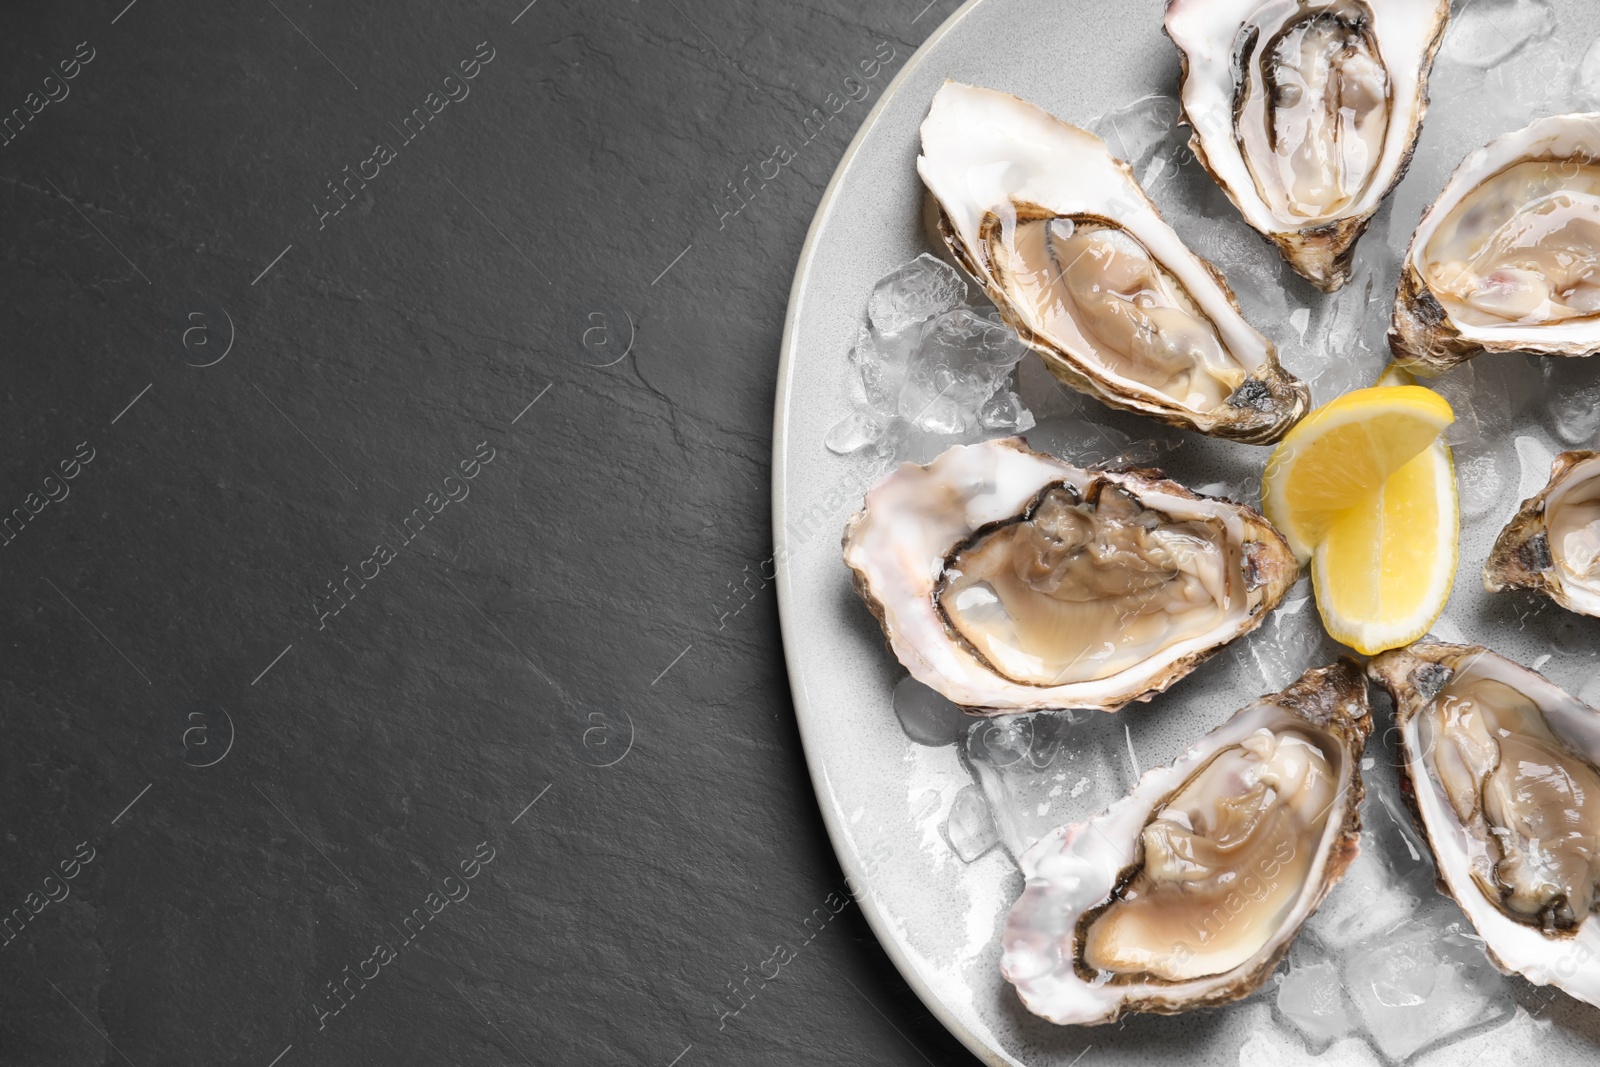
(1364, 489)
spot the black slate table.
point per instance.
(392, 671)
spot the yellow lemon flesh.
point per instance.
(1364, 489)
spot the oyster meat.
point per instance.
(1082, 265)
(1306, 112)
(1011, 581)
(1188, 892)
(1508, 257)
(1552, 544)
(1504, 776)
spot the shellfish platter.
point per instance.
(1079, 295)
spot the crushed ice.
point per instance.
(927, 361)
(969, 828)
(1290, 640)
(1385, 956)
(1075, 760)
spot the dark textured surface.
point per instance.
(270, 780)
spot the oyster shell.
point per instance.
(1508, 257)
(1552, 544)
(1011, 581)
(1082, 265)
(1188, 892)
(1503, 775)
(1306, 112)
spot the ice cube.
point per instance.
(1479, 413)
(1367, 903)
(998, 344)
(1334, 374)
(854, 432)
(1260, 283)
(1213, 239)
(1291, 640)
(1047, 768)
(1487, 31)
(907, 443)
(976, 351)
(1421, 984)
(943, 377)
(1340, 357)
(1485, 471)
(1512, 385)
(913, 293)
(1534, 1039)
(1572, 399)
(1576, 637)
(969, 829)
(1004, 412)
(1005, 740)
(1311, 997)
(1081, 441)
(961, 361)
(1535, 461)
(1140, 131)
(926, 403)
(880, 362)
(1485, 403)
(925, 715)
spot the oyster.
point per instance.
(1552, 544)
(1187, 892)
(1503, 780)
(1306, 112)
(1081, 264)
(1011, 581)
(1508, 257)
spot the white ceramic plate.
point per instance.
(885, 798)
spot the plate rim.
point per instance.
(881, 925)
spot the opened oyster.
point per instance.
(1552, 544)
(1188, 892)
(1508, 258)
(1011, 581)
(1503, 776)
(1306, 113)
(1081, 264)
